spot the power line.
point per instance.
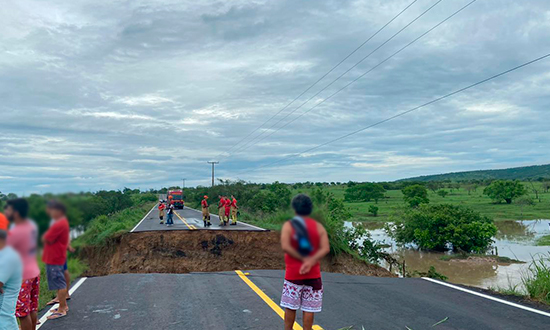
(405, 112)
(326, 74)
(246, 146)
(362, 75)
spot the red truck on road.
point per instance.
(176, 197)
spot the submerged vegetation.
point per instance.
(444, 227)
(431, 273)
(498, 259)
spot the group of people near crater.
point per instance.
(227, 211)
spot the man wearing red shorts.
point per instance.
(23, 238)
(305, 243)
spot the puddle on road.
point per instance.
(515, 239)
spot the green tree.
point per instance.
(282, 193)
(364, 192)
(442, 227)
(373, 210)
(470, 187)
(415, 195)
(434, 185)
(442, 193)
(506, 190)
(525, 200)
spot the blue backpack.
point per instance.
(301, 236)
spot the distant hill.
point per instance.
(520, 173)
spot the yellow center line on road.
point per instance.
(185, 222)
(270, 302)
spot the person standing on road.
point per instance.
(234, 208)
(305, 243)
(56, 244)
(11, 275)
(23, 238)
(227, 209)
(66, 273)
(170, 215)
(205, 211)
(221, 210)
(162, 207)
(4, 223)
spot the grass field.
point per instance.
(393, 203)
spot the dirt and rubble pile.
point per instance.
(203, 251)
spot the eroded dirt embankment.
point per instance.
(203, 251)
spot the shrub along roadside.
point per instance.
(105, 226)
(535, 282)
(537, 279)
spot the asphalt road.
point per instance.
(225, 301)
(187, 219)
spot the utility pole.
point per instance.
(183, 187)
(213, 164)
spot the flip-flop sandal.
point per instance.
(56, 316)
(56, 310)
(55, 301)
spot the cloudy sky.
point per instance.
(98, 94)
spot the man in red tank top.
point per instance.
(305, 242)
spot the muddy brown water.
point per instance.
(515, 239)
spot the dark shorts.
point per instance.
(306, 295)
(56, 277)
(65, 266)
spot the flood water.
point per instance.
(515, 239)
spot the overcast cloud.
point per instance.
(105, 94)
